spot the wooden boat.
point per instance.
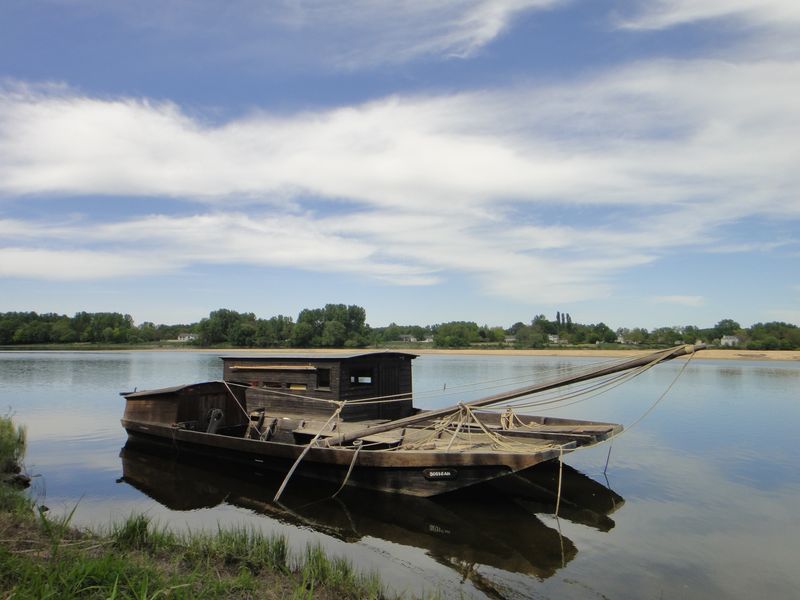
(349, 419)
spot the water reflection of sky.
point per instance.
(711, 479)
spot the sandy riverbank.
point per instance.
(707, 354)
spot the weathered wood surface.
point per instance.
(281, 382)
(386, 471)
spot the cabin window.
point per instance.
(323, 379)
(272, 384)
(361, 377)
(298, 387)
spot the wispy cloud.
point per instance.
(351, 34)
(397, 32)
(742, 247)
(661, 14)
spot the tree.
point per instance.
(219, 326)
(333, 334)
(515, 328)
(273, 332)
(542, 325)
(602, 333)
(530, 337)
(243, 333)
(726, 327)
(302, 334)
(456, 334)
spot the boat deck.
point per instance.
(527, 436)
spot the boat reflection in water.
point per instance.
(491, 525)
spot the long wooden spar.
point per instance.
(654, 358)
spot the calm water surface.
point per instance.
(700, 498)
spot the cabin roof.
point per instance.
(167, 390)
(316, 356)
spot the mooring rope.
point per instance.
(560, 474)
(304, 452)
(235, 399)
(658, 400)
(357, 444)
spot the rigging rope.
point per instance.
(305, 451)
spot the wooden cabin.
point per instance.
(190, 407)
(307, 383)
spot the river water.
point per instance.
(699, 499)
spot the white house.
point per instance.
(729, 340)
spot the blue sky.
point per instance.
(631, 162)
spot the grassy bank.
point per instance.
(43, 557)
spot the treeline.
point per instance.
(334, 326)
(727, 332)
(342, 326)
(109, 328)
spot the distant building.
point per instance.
(510, 339)
(404, 337)
(553, 338)
(729, 340)
(187, 337)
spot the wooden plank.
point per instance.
(273, 368)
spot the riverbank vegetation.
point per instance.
(342, 326)
(44, 557)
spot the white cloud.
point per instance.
(76, 265)
(661, 14)
(704, 135)
(661, 154)
(158, 244)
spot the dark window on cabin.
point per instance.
(323, 379)
(361, 377)
(272, 384)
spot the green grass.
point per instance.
(12, 444)
(136, 560)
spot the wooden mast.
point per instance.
(655, 357)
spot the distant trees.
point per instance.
(772, 336)
(34, 328)
(400, 333)
(334, 326)
(456, 334)
(340, 325)
(761, 336)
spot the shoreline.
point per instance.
(706, 354)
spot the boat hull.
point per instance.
(416, 473)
